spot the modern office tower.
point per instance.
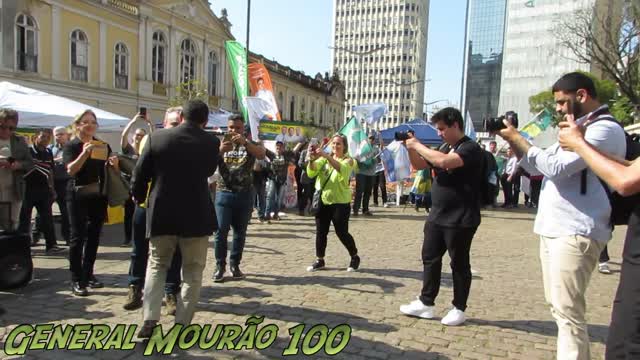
(380, 52)
(484, 42)
(534, 57)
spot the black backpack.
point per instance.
(621, 206)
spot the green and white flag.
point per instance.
(237, 58)
(359, 147)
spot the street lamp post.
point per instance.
(360, 55)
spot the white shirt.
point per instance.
(562, 209)
(6, 175)
(512, 165)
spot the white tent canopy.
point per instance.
(38, 109)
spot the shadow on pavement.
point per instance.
(597, 333)
(333, 282)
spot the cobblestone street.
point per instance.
(507, 314)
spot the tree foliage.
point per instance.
(190, 90)
(609, 42)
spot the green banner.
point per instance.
(237, 58)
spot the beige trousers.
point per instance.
(567, 265)
(194, 258)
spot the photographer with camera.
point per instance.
(454, 216)
(573, 220)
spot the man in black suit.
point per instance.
(180, 212)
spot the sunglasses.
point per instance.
(5, 127)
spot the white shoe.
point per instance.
(417, 308)
(454, 317)
(604, 268)
(386, 205)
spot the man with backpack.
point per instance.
(573, 220)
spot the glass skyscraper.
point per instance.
(483, 59)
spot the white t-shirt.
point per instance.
(6, 176)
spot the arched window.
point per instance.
(121, 63)
(313, 110)
(79, 56)
(187, 61)
(292, 109)
(26, 43)
(158, 54)
(213, 73)
(281, 102)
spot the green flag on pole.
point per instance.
(359, 147)
(237, 58)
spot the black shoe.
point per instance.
(134, 298)
(317, 265)
(147, 330)
(54, 250)
(218, 276)
(354, 264)
(355, 212)
(236, 273)
(79, 290)
(94, 283)
(367, 213)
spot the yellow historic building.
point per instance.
(120, 55)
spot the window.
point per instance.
(121, 66)
(292, 107)
(79, 56)
(158, 53)
(187, 61)
(26, 46)
(213, 73)
(280, 102)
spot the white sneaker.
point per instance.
(386, 205)
(454, 317)
(604, 268)
(417, 308)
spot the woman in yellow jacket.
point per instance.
(332, 173)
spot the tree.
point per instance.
(609, 43)
(190, 90)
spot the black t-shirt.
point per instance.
(455, 194)
(92, 171)
(37, 179)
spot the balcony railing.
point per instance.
(159, 89)
(79, 73)
(27, 62)
(122, 82)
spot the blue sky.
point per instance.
(297, 34)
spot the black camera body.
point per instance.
(493, 125)
(401, 136)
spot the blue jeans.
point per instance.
(233, 210)
(140, 255)
(275, 196)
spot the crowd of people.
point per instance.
(235, 175)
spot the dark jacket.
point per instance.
(22, 155)
(178, 162)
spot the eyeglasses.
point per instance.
(5, 127)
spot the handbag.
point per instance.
(315, 201)
(89, 191)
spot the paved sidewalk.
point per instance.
(508, 317)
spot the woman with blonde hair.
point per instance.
(85, 158)
(332, 173)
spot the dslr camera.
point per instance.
(401, 136)
(493, 125)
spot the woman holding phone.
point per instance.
(332, 173)
(85, 158)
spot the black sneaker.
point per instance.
(317, 265)
(94, 283)
(236, 273)
(355, 212)
(54, 250)
(367, 213)
(79, 289)
(354, 264)
(218, 276)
